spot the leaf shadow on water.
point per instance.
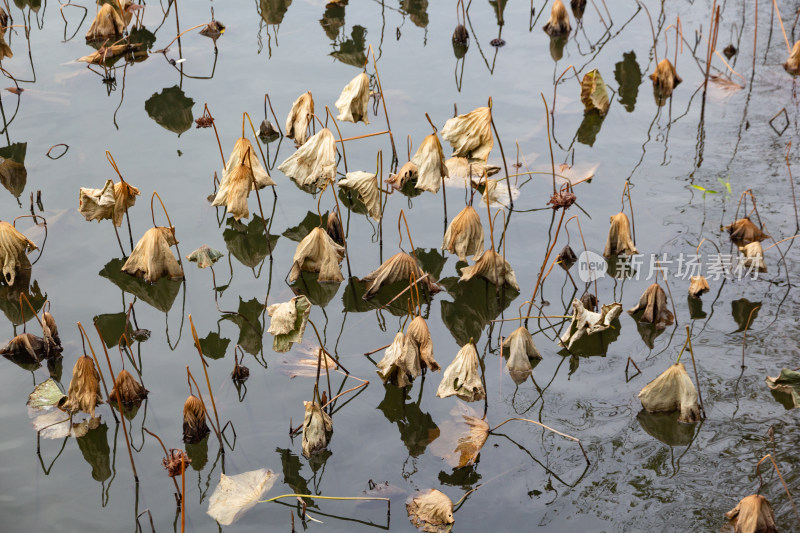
(13, 175)
(96, 451)
(319, 294)
(9, 298)
(251, 329)
(246, 242)
(475, 304)
(417, 429)
(171, 109)
(160, 295)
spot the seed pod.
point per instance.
(194, 420)
(127, 390)
(559, 20)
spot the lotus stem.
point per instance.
(376, 350)
(383, 100)
(408, 232)
(694, 366)
(780, 241)
(183, 493)
(791, 182)
(502, 153)
(23, 296)
(528, 317)
(85, 336)
(785, 39)
(390, 302)
(336, 125)
(746, 327)
(274, 116)
(549, 142)
(181, 34)
(319, 339)
(680, 354)
(205, 370)
(583, 241)
(630, 360)
(626, 189)
(119, 398)
(216, 133)
(357, 137)
(546, 258)
(316, 497)
(570, 437)
(266, 162)
(780, 476)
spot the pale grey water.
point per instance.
(635, 482)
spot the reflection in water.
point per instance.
(273, 11)
(9, 297)
(696, 308)
(744, 313)
(291, 466)
(352, 51)
(13, 175)
(160, 294)
(475, 303)
(648, 333)
(214, 346)
(417, 11)
(333, 19)
(198, 453)
(95, 450)
(417, 429)
(465, 477)
(590, 127)
(112, 326)
(248, 319)
(319, 294)
(310, 221)
(666, 428)
(557, 44)
(171, 109)
(246, 242)
(629, 77)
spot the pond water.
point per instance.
(686, 162)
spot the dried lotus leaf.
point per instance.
(585, 322)
(235, 495)
(653, 305)
(300, 116)
(753, 514)
(470, 135)
(195, 428)
(788, 382)
(429, 161)
(401, 362)
(462, 377)
(25, 346)
(152, 258)
(13, 249)
(288, 322)
(559, 20)
(665, 78)
(594, 93)
(317, 252)
(521, 351)
(108, 24)
(430, 511)
(204, 256)
(407, 172)
(619, 240)
(317, 429)
(698, 285)
(464, 235)
(127, 390)
(419, 334)
(400, 267)
(353, 103)
(743, 231)
(792, 65)
(314, 163)
(492, 267)
(45, 394)
(366, 185)
(673, 390)
(84, 387)
(753, 256)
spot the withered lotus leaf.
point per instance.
(317, 429)
(653, 305)
(314, 163)
(585, 322)
(300, 116)
(788, 382)
(104, 53)
(429, 161)
(469, 169)
(109, 203)
(235, 495)
(698, 285)
(195, 428)
(400, 267)
(288, 322)
(5, 49)
(792, 65)
(13, 248)
(520, 352)
(753, 514)
(470, 135)
(566, 257)
(400, 363)
(152, 259)
(462, 377)
(84, 388)
(46, 394)
(317, 252)
(594, 93)
(366, 186)
(619, 240)
(353, 103)
(25, 345)
(406, 173)
(430, 511)
(52, 342)
(743, 231)
(753, 256)
(107, 24)
(492, 267)
(127, 390)
(420, 335)
(559, 20)
(243, 172)
(204, 256)
(335, 228)
(464, 235)
(665, 77)
(470, 444)
(672, 391)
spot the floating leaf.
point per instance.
(204, 256)
(789, 383)
(45, 394)
(431, 511)
(235, 495)
(56, 424)
(288, 322)
(594, 93)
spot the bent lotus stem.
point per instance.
(366, 135)
(390, 302)
(549, 142)
(113, 164)
(570, 437)
(326, 352)
(85, 336)
(408, 232)
(274, 116)
(444, 189)
(255, 139)
(694, 366)
(205, 369)
(23, 296)
(190, 379)
(747, 327)
(119, 399)
(544, 263)
(627, 191)
(383, 101)
(181, 34)
(43, 223)
(207, 111)
(316, 497)
(780, 476)
(502, 152)
(583, 241)
(169, 223)
(791, 183)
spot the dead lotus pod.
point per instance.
(792, 65)
(460, 35)
(743, 231)
(673, 390)
(753, 514)
(753, 257)
(152, 259)
(619, 240)
(317, 252)
(470, 135)
(84, 388)
(429, 160)
(172, 463)
(462, 377)
(127, 390)
(665, 78)
(194, 420)
(559, 20)
(400, 267)
(353, 103)
(430, 510)
(698, 286)
(299, 118)
(317, 429)
(492, 267)
(653, 304)
(14, 247)
(464, 235)
(566, 257)
(335, 229)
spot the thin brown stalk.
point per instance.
(780, 476)
(783, 30)
(549, 141)
(694, 366)
(216, 133)
(183, 494)
(366, 135)
(502, 154)
(205, 370)
(383, 100)
(570, 437)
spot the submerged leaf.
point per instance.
(235, 495)
(673, 390)
(462, 377)
(430, 511)
(288, 322)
